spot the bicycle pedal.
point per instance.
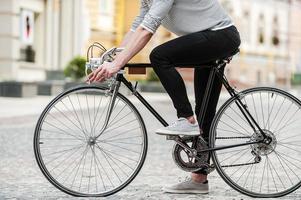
(210, 169)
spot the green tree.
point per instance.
(75, 69)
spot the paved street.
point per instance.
(20, 177)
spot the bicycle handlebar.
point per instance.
(108, 56)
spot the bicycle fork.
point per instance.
(114, 88)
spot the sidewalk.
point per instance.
(17, 107)
(20, 177)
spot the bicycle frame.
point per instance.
(214, 72)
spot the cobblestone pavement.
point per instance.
(20, 177)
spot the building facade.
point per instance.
(38, 36)
(270, 33)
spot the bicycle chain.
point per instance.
(223, 138)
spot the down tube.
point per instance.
(143, 101)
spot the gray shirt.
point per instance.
(182, 16)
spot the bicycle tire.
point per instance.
(50, 175)
(270, 154)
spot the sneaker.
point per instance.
(188, 187)
(181, 127)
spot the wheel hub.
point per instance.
(263, 148)
(91, 141)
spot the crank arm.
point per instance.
(184, 146)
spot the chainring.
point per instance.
(185, 160)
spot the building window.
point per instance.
(275, 37)
(261, 38)
(104, 7)
(27, 23)
(245, 23)
(106, 15)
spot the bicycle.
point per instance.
(91, 141)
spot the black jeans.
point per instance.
(193, 49)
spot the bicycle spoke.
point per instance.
(81, 110)
(287, 175)
(108, 162)
(89, 115)
(76, 116)
(240, 133)
(111, 158)
(262, 110)
(110, 143)
(277, 112)
(244, 120)
(287, 124)
(237, 123)
(255, 108)
(289, 148)
(293, 171)
(70, 120)
(231, 156)
(281, 120)
(269, 125)
(122, 133)
(64, 133)
(262, 176)
(95, 115)
(67, 158)
(248, 175)
(239, 169)
(79, 164)
(62, 124)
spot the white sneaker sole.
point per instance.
(186, 191)
(167, 132)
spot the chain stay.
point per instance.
(242, 164)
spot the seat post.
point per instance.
(206, 97)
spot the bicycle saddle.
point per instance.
(225, 59)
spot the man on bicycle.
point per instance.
(206, 33)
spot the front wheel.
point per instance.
(259, 170)
(73, 159)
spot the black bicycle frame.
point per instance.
(214, 72)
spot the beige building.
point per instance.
(39, 35)
(43, 35)
(270, 41)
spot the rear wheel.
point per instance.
(260, 170)
(70, 156)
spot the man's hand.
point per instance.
(105, 71)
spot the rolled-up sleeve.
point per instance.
(156, 13)
(144, 8)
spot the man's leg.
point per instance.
(201, 76)
(190, 49)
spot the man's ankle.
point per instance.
(199, 178)
(191, 119)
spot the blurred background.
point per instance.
(42, 53)
(39, 38)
